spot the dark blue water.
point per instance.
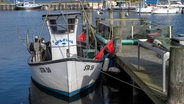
(14, 71)
(15, 74)
(175, 20)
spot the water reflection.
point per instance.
(38, 95)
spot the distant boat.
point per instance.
(144, 7)
(172, 3)
(173, 7)
(165, 10)
(27, 5)
(147, 9)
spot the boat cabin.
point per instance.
(63, 33)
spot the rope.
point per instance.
(128, 83)
(121, 80)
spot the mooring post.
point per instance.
(170, 32)
(111, 23)
(89, 15)
(176, 76)
(97, 23)
(89, 29)
(122, 22)
(111, 17)
(84, 21)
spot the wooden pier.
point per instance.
(143, 65)
(146, 72)
(157, 71)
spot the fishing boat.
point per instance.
(27, 5)
(66, 63)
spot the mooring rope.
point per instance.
(128, 83)
(121, 80)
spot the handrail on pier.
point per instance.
(164, 55)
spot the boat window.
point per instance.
(57, 27)
(60, 27)
(53, 25)
(26, 3)
(71, 25)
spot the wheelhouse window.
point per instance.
(61, 27)
(71, 24)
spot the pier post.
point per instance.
(111, 23)
(98, 20)
(83, 22)
(170, 32)
(111, 17)
(176, 76)
(116, 32)
(89, 15)
(122, 22)
(97, 23)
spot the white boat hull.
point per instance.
(145, 10)
(66, 76)
(166, 11)
(28, 7)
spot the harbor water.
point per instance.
(16, 86)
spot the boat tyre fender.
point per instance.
(105, 65)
